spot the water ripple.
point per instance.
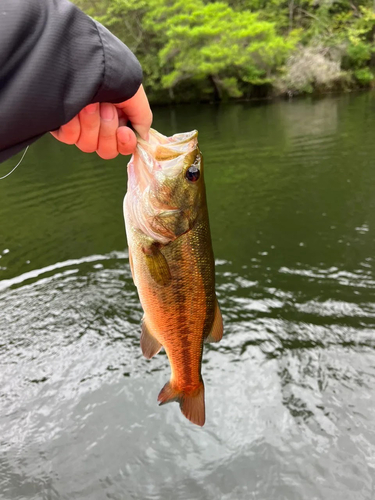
(289, 389)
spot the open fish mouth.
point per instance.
(159, 153)
(161, 148)
(175, 141)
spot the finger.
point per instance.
(107, 143)
(90, 125)
(126, 141)
(122, 118)
(138, 111)
(68, 133)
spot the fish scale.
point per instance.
(172, 261)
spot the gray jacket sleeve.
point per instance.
(54, 60)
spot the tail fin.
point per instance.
(191, 405)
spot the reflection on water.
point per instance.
(320, 120)
(289, 390)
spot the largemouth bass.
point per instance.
(172, 262)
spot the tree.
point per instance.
(212, 43)
(205, 49)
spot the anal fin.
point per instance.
(216, 333)
(149, 345)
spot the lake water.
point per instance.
(290, 390)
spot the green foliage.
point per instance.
(216, 44)
(364, 76)
(359, 54)
(202, 49)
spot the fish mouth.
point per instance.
(176, 140)
(163, 148)
(159, 153)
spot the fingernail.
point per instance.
(142, 132)
(91, 108)
(107, 111)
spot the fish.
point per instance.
(172, 262)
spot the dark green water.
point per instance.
(290, 390)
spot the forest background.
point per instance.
(240, 49)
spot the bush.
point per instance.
(308, 69)
(364, 76)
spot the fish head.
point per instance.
(165, 185)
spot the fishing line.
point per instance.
(18, 164)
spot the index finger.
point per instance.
(138, 111)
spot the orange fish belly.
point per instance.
(176, 316)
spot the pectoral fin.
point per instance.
(158, 267)
(216, 332)
(150, 346)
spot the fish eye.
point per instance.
(192, 173)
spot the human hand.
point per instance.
(102, 127)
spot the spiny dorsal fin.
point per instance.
(150, 346)
(216, 333)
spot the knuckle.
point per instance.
(107, 155)
(70, 134)
(69, 140)
(86, 149)
(107, 132)
(89, 123)
(87, 144)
